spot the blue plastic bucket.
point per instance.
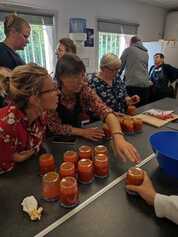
(165, 145)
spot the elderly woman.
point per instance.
(22, 124)
(109, 86)
(17, 32)
(76, 97)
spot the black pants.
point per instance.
(159, 93)
(142, 92)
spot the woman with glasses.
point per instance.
(109, 86)
(17, 32)
(76, 97)
(23, 122)
(65, 45)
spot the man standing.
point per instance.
(161, 76)
(135, 62)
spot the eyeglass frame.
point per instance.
(55, 89)
(112, 69)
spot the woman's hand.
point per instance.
(125, 150)
(24, 155)
(145, 190)
(93, 134)
(132, 100)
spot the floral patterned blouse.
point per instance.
(113, 96)
(16, 135)
(88, 102)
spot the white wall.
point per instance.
(151, 19)
(171, 26)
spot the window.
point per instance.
(40, 49)
(112, 43)
(114, 36)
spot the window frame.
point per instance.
(112, 20)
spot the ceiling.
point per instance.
(169, 4)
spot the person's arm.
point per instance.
(132, 100)
(165, 206)
(90, 99)
(6, 155)
(93, 134)
(121, 88)
(124, 149)
(23, 155)
(55, 125)
(171, 72)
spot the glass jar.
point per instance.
(50, 186)
(71, 156)
(131, 110)
(46, 163)
(100, 149)
(135, 176)
(67, 169)
(69, 193)
(101, 165)
(85, 171)
(128, 126)
(85, 152)
(138, 125)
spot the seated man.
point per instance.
(161, 76)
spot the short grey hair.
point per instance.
(110, 60)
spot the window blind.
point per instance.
(117, 26)
(34, 19)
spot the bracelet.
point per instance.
(120, 133)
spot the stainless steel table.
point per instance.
(113, 213)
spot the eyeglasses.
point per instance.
(25, 36)
(48, 91)
(112, 69)
(55, 89)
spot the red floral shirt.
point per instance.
(89, 101)
(16, 135)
